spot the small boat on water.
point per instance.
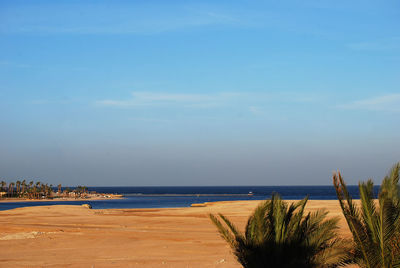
(250, 194)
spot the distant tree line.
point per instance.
(38, 190)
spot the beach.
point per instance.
(75, 236)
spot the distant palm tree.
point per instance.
(17, 184)
(23, 187)
(375, 229)
(30, 189)
(11, 189)
(43, 190)
(50, 191)
(3, 185)
(38, 188)
(67, 191)
(278, 235)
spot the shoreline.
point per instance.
(103, 197)
(193, 205)
(167, 195)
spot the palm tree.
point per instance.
(50, 191)
(35, 192)
(278, 235)
(11, 189)
(18, 184)
(375, 229)
(67, 191)
(38, 187)
(43, 190)
(23, 187)
(3, 185)
(30, 189)
(31, 193)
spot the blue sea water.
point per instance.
(184, 196)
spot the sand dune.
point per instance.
(74, 236)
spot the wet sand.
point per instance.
(74, 236)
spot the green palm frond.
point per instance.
(225, 233)
(353, 218)
(375, 229)
(280, 235)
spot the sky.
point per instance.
(169, 93)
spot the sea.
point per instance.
(185, 196)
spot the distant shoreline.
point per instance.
(249, 194)
(102, 197)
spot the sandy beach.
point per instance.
(74, 236)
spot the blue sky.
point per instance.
(199, 92)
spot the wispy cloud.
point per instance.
(54, 101)
(256, 110)
(14, 64)
(108, 19)
(389, 102)
(382, 45)
(254, 101)
(269, 114)
(153, 98)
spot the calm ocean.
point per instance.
(167, 197)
